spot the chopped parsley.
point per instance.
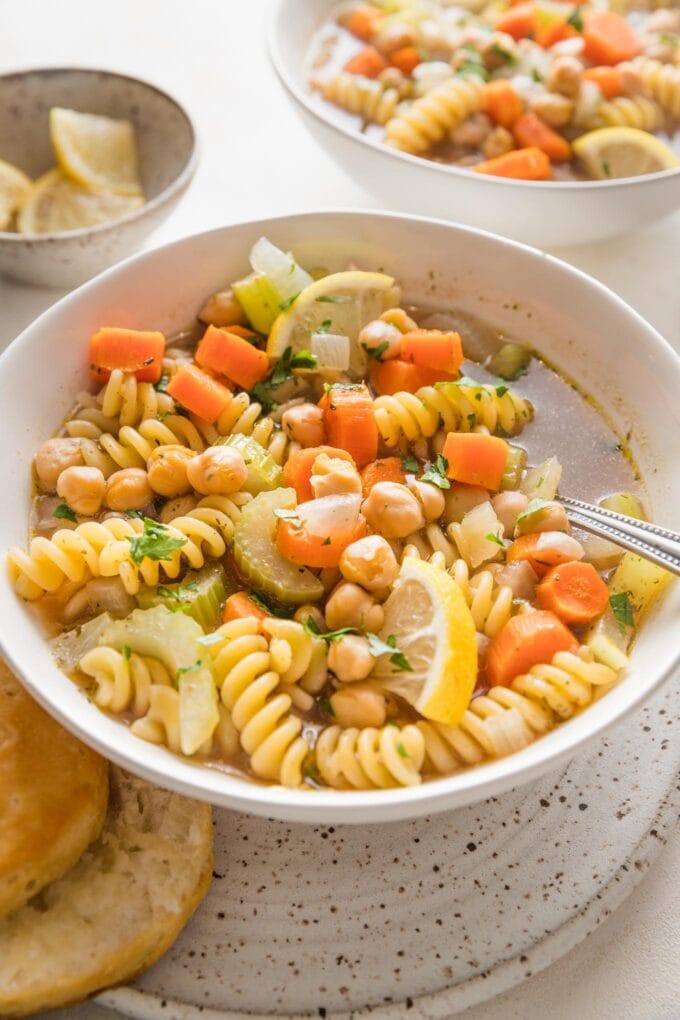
(127, 652)
(162, 385)
(409, 464)
(533, 507)
(378, 647)
(471, 67)
(282, 372)
(289, 301)
(263, 602)
(472, 420)
(376, 352)
(575, 19)
(536, 75)
(436, 473)
(178, 596)
(312, 628)
(188, 669)
(154, 543)
(325, 706)
(606, 168)
(64, 513)
(333, 299)
(402, 750)
(622, 608)
(134, 515)
(327, 540)
(492, 537)
(503, 54)
(501, 390)
(325, 327)
(669, 39)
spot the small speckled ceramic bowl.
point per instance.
(166, 142)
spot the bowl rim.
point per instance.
(466, 786)
(275, 47)
(185, 174)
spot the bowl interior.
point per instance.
(165, 137)
(582, 327)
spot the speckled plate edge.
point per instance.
(477, 990)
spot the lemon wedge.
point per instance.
(55, 203)
(428, 621)
(97, 152)
(14, 188)
(614, 152)
(341, 303)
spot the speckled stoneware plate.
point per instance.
(423, 918)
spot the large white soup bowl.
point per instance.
(579, 324)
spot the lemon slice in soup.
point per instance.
(615, 152)
(97, 152)
(428, 622)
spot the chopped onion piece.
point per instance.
(331, 351)
(541, 482)
(330, 514)
(479, 535)
(282, 270)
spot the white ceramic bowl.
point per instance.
(541, 213)
(166, 142)
(576, 321)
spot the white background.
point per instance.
(258, 160)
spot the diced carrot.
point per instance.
(530, 164)
(573, 591)
(299, 546)
(433, 348)
(199, 392)
(226, 353)
(406, 58)
(502, 103)
(551, 27)
(130, 350)
(476, 458)
(297, 470)
(399, 376)
(362, 20)
(525, 641)
(543, 550)
(530, 130)
(517, 22)
(350, 422)
(607, 79)
(609, 38)
(240, 606)
(387, 469)
(368, 63)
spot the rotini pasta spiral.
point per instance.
(365, 97)
(123, 682)
(415, 128)
(629, 111)
(130, 401)
(242, 417)
(132, 447)
(452, 407)
(161, 724)
(662, 82)
(260, 712)
(431, 543)
(291, 647)
(368, 759)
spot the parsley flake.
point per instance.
(436, 473)
(492, 537)
(289, 301)
(606, 168)
(575, 19)
(162, 385)
(127, 653)
(134, 515)
(332, 299)
(325, 706)
(312, 628)
(377, 647)
(183, 670)
(154, 543)
(501, 390)
(402, 750)
(622, 608)
(325, 326)
(409, 464)
(376, 352)
(64, 513)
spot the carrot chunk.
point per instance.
(198, 392)
(433, 348)
(406, 58)
(362, 20)
(297, 471)
(530, 164)
(240, 606)
(518, 21)
(607, 79)
(573, 591)
(398, 376)
(130, 350)
(301, 546)
(530, 131)
(475, 458)
(609, 38)
(387, 469)
(350, 422)
(368, 63)
(525, 641)
(502, 103)
(226, 353)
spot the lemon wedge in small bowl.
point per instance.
(15, 186)
(613, 152)
(55, 203)
(429, 624)
(98, 152)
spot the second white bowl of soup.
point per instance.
(307, 45)
(296, 729)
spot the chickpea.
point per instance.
(218, 470)
(552, 108)
(369, 562)
(376, 333)
(399, 318)
(497, 142)
(472, 132)
(128, 489)
(351, 606)
(222, 309)
(359, 705)
(177, 507)
(664, 21)
(430, 497)
(507, 507)
(350, 658)
(303, 613)
(167, 470)
(304, 424)
(82, 488)
(565, 76)
(333, 476)
(55, 456)
(392, 510)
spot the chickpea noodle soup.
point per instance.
(315, 541)
(533, 90)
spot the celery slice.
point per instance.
(258, 559)
(263, 471)
(259, 299)
(287, 277)
(201, 595)
(514, 468)
(511, 361)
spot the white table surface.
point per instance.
(258, 160)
